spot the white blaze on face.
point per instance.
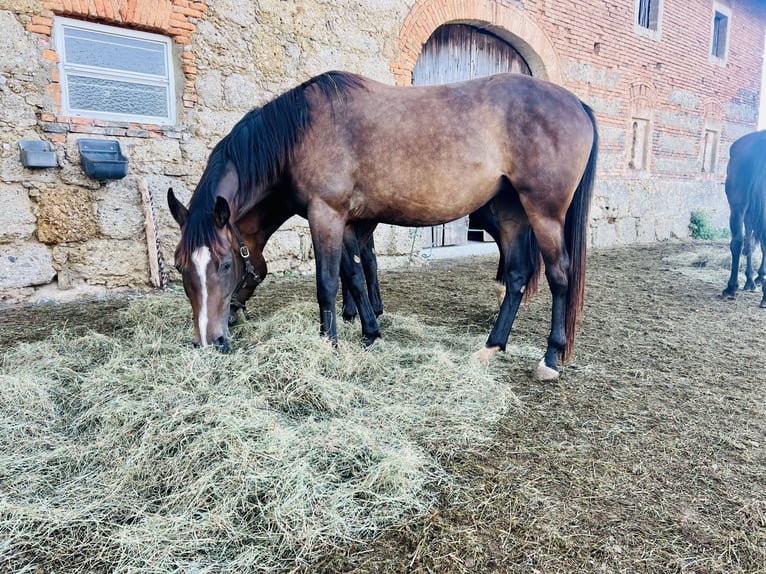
(200, 258)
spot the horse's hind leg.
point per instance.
(513, 236)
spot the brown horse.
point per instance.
(746, 193)
(347, 152)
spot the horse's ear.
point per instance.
(177, 210)
(221, 213)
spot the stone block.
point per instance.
(113, 263)
(119, 210)
(66, 214)
(17, 221)
(25, 263)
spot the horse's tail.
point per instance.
(576, 238)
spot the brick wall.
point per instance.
(665, 80)
(173, 18)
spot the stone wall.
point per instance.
(64, 235)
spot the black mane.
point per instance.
(259, 146)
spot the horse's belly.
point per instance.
(421, 201)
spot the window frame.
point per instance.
(710, 150)
(725, 12)
(98, 72)
(639, 148)
(653, 33)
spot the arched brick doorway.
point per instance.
(507, 21)
(503, 27)
(453, 53)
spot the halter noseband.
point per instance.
(248, 274)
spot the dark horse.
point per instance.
(347, 152)
(746, 193)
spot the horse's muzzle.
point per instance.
(222, 345)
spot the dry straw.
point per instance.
(137, 453)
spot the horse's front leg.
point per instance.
(327, 226)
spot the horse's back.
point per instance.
(443, 151)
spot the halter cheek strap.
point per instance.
(248, 275)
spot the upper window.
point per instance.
(648, 13)
(647, 17)
(114, 73)
(719, 40)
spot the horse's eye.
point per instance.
(226, 265)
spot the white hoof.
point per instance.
(485, 354)
(545, 373)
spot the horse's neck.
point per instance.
(262, 220)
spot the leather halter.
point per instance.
(247, 275)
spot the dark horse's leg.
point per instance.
(327, 238)
(353, 278)
(370, 267)
(762, 241)
(331, 237)
(762, 269)
(503, 218)
(737, 237)
(749, 273)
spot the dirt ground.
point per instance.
(647, 456)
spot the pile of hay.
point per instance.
(138, 453)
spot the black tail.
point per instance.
(576, 234)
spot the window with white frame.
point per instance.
(114, 73)
(719, 39)
(647, 14)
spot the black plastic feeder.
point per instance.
(37, 153)
(102, 159)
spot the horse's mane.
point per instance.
(259, 147)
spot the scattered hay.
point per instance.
(710, 264)
(135, 452)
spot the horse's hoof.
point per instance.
(485, 354)
(349, 318)
(749, 286)
(544, 373)
(763, 304)
(726, 294)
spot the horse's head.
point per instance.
(214, 264)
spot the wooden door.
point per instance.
(453, 53)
